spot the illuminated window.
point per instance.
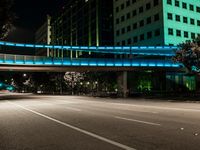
(141, 9)
(117, 33)
(184, 5)
(185, 34)
(149, 35)
(192, 21)
(117, 9)
(141, 23)
(128, 28)
(122, 6)
(178, 18)
(185, 20)
(148, 20)
(122, 18)
(117, 21)
(141, 37)
(123, 30)
(157, 32)
(193, 35)
(156, 17)
(135, 26)
(170, 31)
(177, 3)
(169, 2)
(135, 39)
(198, 9)
(198, 22)
(133, 1)
(129, 41)
(192, 7)
(169, 16)
(148, 6)
(178, 32)
(127, 3)
(128, 16)
(123, 43)
(155, 2)
(134, 13)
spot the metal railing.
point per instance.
(132, 50)
(99, 62)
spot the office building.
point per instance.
(83, 23)
(156, 22)
(43, 36)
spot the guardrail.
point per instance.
(7, 59)
(133, 50)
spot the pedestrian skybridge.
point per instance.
(134, 50)
(141, 58)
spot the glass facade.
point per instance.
(83, 23)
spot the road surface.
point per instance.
(86, 123)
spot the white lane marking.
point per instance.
(66, 107)
(145, 106)
(153, 112)
(139, 121)
(74, 109)
(77, 129)
(157, 107)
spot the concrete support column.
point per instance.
(122, 83)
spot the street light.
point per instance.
(24, 87)
(24, 75)
(96, 86)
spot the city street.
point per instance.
(86, 123)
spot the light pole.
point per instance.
(24, 89)
(24, 75)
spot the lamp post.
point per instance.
(24, 86)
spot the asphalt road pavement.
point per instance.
(84, 123)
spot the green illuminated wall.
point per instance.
(177, 82)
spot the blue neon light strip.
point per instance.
(95, 63)
(9, 44)
(29, 45)
(140, 50)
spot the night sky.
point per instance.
(31, 14)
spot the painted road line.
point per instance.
(53, 104)
(138, 121)
(76, 128)
(70, 108)
(158, 107)
(96, 105)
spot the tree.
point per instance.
(72, 78)
(189, 55)
(6, 17)
(107, 81)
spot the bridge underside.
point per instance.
(34, 68)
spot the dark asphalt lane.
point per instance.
(84, 123)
